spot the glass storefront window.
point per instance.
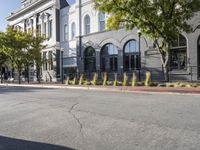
(178, 54)
(109, 58)
(90, 60)
(131, 56)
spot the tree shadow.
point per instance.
(17, 144)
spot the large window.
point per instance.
(45, 29)
(65, 32)
(87, 24)
(73, 31)
(90, 60)
(109, 58)
(178, 53)
(102, 23)
(50, 60)
(50, 29)
(39, 29)
(131, 56)
(45, 61)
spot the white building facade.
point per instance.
(79, 31)
(98, 50)
(43, 16)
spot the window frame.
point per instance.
(66, 33)
(87, 24)
(181, 59)
(102, 20)
(45, 64)
(50, 27)
(131, 55)
(73, 30)
(92, 58)
(109, 62)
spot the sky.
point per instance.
(8, 6)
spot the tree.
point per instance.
(3, 59)
(3, 56)
(15, 47)
(27, 61)
(35, 49)
(160, 20)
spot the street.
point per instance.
(63, 119)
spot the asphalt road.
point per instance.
(62, 119)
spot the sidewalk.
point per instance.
(128, 89)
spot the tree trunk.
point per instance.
(1, 74)
(38, 74)
(12, 74)
(166, 73)
(19, 76)
(164, 53)
(28, 75)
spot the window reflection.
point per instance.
(90, 60)
(178, 53)
(131, 56)
(109, 58)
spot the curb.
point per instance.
(137, 90)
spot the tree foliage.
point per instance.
(21, 48)
(36, 46)
(160, 20)
(3, 56)
(15, 47)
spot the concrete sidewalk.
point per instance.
(139, 89)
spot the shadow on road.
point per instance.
(16, 144)
(4, 89)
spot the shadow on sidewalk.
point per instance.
(16, 144)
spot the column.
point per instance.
(120, 61)
(47, 25)
(98, 60)
(42, 24)
(34, 24)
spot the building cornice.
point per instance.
(25, 9)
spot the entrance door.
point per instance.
(198, 58)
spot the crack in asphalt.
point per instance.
(21, 103)
(76, 118)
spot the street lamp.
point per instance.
(139, 47)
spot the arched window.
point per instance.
(109, 58)
(178, 53)
(90, 60)
(87, 24)
(73, 31)
(65, 32)
(131, 56)
(102, 23)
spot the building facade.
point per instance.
(43, 16)
(80, 32)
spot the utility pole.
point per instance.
(79, 50)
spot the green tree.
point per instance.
(35, 49)
(3, 59)
(28, 61)
(3, 56)
(15, 47)
(160, 20)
